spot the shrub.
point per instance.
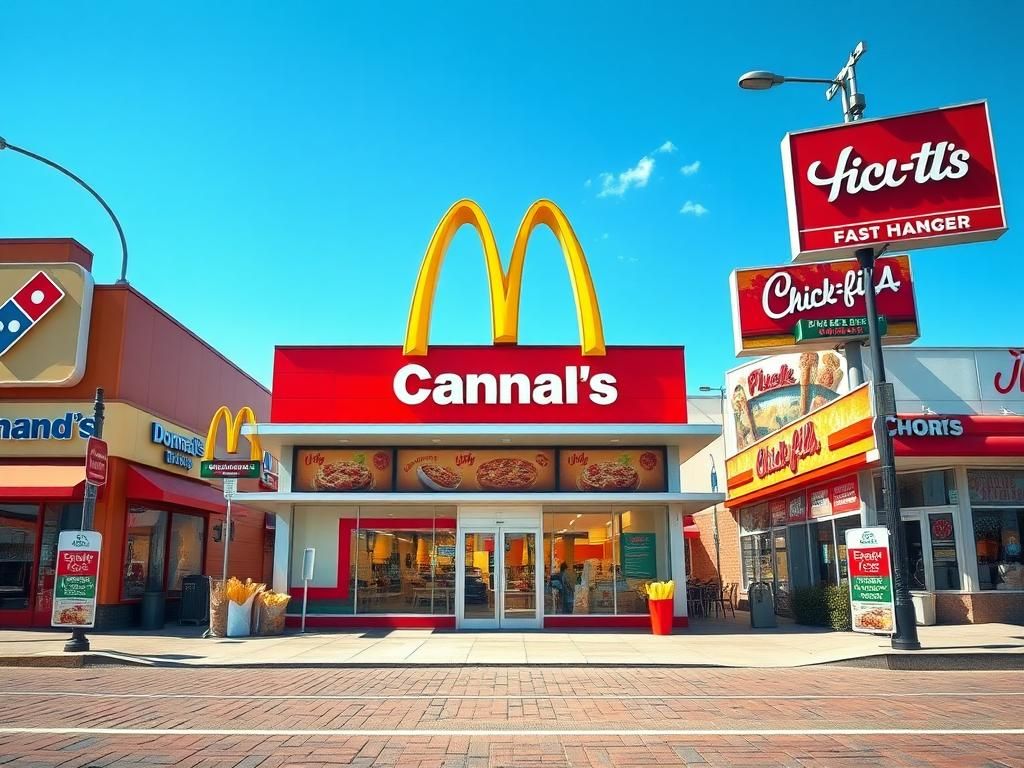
(826, 606)
(837, 602)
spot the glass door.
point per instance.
(498, 585)
(917, 553)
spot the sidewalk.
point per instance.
(713, 643)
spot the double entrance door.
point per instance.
(499, 574)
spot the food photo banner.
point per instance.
(765, 396)
(486, 470)
(819, 305)
(479, 470)
(606, 470)
(916, 180)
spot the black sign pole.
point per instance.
(79, 642)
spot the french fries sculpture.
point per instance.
(660, 590)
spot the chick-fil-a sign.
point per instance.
(76, 580)
(920, 180)
(768, 303)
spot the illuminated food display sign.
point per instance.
(331, 470)
(917, 180)
(820, 305)
(817, 447)
(765, 396)
(609, 470)
(498, 470)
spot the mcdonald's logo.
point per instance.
(505, 287)
(233, 425)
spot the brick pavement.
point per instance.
(616, 702)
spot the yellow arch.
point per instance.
(234, 428)
(505, 288)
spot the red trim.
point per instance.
(741, 478)
(813, 478)
(568, 621)
(691, 532)
(982, 436)
(383, 621)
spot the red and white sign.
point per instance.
(844, 495)
(920, 180)
(76, 582)
(960, 435)
(796, 508)
(769, 302)
(96, 461)
(499, 384)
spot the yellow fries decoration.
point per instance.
(660, 590)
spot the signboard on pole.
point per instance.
(820, 305)
(871, 588)
(96, 461)
(917, 180)
(230, 487)
(75, 585)
(229, 468)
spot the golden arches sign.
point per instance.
(234, 428)
(505, 287)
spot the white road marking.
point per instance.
(515, 697)
(446, 732)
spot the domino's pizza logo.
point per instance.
(23, 311)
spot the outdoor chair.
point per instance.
(723, 596)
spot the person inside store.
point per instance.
(565, 583)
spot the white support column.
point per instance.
(963, 529)
(282, 549)
(677, 556)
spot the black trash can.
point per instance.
(153, 606)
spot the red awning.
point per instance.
(690, 529)
(42, 482)
(150, 485)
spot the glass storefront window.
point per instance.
(844, 524)
(56, 518)
(934, 488)
(756, 556)
(144, 554)
(18, 523)
(186, 557)
(643, 554)
(405, 560)
(997, 542)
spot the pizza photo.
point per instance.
(506, 475)
(438, 478)
(608, 476)
(343, 476)
(76, 614)
(876, 619)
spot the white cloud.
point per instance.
(668, 147)
(693, 209)
(690, 169)
(587, 183)
(604, 235)
(637, 176)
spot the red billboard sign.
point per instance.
(917, 180)
(473, 384)
(96, 461)
(818, 305)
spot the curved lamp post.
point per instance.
(123, 280)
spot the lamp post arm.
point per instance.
(81, 182)
(825, 80)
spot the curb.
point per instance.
(905, 662)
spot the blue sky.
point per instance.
(300, 155)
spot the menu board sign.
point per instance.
(78, 571)
(604, 470)
(471, 470)
(996, 486)
(871, 601)
(638, 555)
(351, 470)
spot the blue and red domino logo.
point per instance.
(23, 311)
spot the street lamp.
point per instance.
(123, 280)
(714, 483)
(705, 388)
(905, 637)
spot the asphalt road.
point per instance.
(501, 716)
